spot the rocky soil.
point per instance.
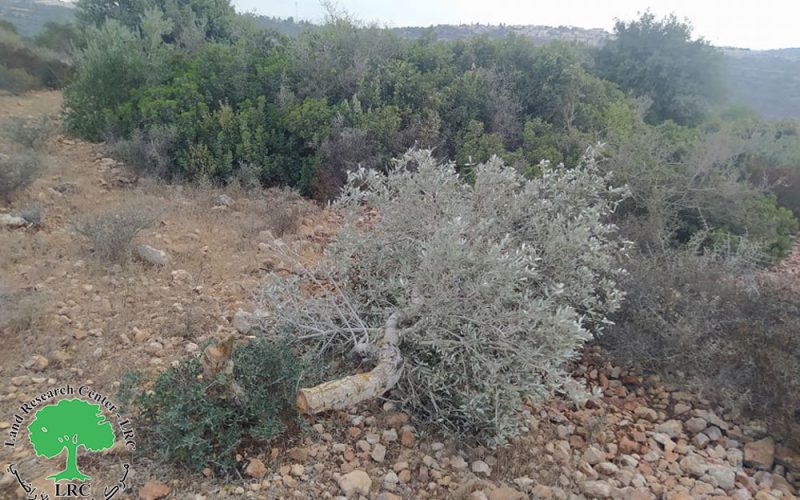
(636, 437)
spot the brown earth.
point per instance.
(93, 322)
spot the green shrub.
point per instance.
(500, 282)
(197, 420)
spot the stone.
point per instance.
(722, 476)
(407, 439)
(12, 221)
(681, 408)
(506, 493)
(458, 463)
(594, 455)
(646, 413)
(760, 454)
(378, 453)
(224, 200)
(481, 467)
(696, 425)
(355, 483)
(693, 465)
(181, 275)
(297, 470)
(256, 469)
(713, 433)
(385, 495)
(38, 363)
(151, 255)
(542, 491)
(245, 322)
(701, 440)
(672, 428)
(524, 483)
(389, 436)
(606, 468)
(298, 454)
(596, 489)
(788, 458)
(153, 490)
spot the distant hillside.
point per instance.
(539, 34)
(30, 15)
(766, 80)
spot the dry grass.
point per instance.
(19, 310)
(111, 232)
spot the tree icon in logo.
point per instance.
(70, 424)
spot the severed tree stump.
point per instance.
(349, 391)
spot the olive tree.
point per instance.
(471, 297)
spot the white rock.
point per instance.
(596, 489)
(696, 425)
(151, 255)
(723, 476)
(378, 452)
(355, 483)
(594, 455)
(481, 467)
(11, 221)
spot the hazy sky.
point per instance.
(755, 24)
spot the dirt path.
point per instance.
(91, 322)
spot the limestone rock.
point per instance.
(672, 428)
(760, 454)
(151, 255)
(355, 483)
(596, 489)
(11, 221)
(256, 469)
(480, 467)
(153, 490)
(505, 493)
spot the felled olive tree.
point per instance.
(469, 297)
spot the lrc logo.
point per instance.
(82, 490)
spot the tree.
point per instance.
(470, 296)
(660, 60)
(70, 424)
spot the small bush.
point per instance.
(32, 214)
(17, 80)
(18, 310)
(18, 171)
(708, 320)
(30, 133)
(500, 283)
(197, 421)
(147, 152)
(112, 232)
(277, 210)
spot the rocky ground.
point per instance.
(91, 322)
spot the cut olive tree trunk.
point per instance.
(349, 391)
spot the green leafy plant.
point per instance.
(196, 418)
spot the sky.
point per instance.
(754, 24)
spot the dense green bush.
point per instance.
(499, 283)
(689, 181)
(198, 418)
